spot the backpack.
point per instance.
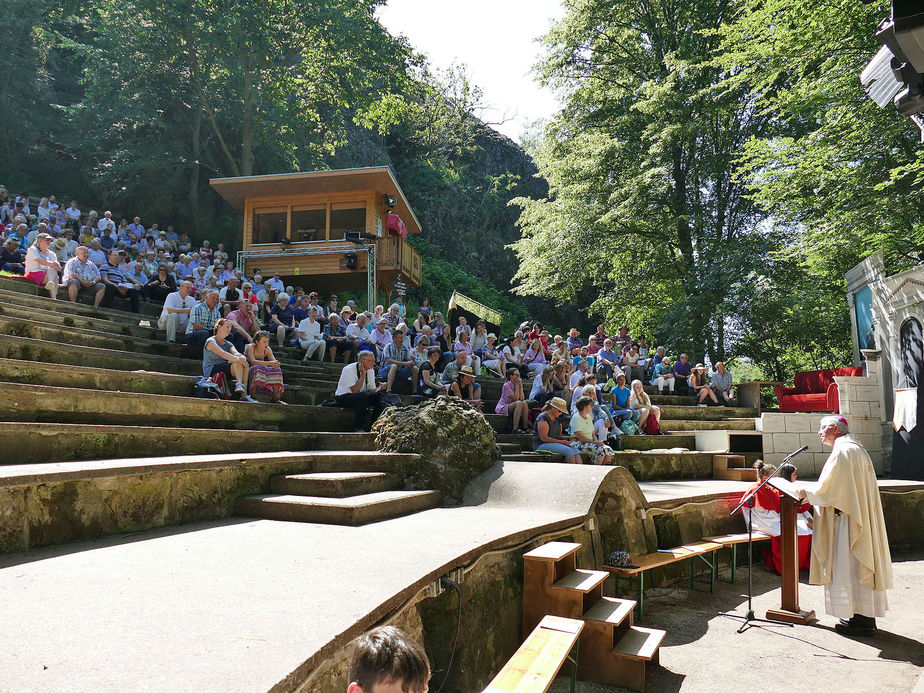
(652, 427)
(208, 389)
(629, 428)
(390, 399)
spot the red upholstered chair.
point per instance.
(814, 390)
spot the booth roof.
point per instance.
(378, 178)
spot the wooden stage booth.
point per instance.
(301, 225)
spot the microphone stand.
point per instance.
(749, 500)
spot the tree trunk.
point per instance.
(247, 118)
(194, 173)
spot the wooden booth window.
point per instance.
(269, 224)
(347, 216)
(309, 223)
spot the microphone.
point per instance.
(794, 453)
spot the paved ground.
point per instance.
(702, 651)
(237, 605)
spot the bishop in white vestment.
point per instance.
(850, 549)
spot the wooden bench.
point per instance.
(649, 561)
(732, 541)
(534, 666)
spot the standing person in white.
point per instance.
(177, 309)
(850, 549)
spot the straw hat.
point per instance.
(60, 243)
(699, 367)
(558, 403)
(467, 370)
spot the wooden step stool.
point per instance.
(614, 651)
(732, 468)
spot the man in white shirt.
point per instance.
(359, 334)
(276, 282)
(309, 336)
(356, 390)
(72, 213)
(106, 223)
(80, 274)
(177, 307)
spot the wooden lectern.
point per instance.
(789, 611)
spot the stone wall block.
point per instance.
(798, 423)
(773, 423)
(786, 441)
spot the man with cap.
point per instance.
(547, 431)
(42, 266)
(850, 548)
(663, 376)
(59, 248)
(12, 259)
(80, 274)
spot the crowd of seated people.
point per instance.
(200, 289)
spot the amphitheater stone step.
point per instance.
(111, 315)
(676, 425)
(29, 443)
(335, 484)
(352, 510)
(141, 381)
(76, 319)
(26, 287)
(43, 403)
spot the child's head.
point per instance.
(387, 661)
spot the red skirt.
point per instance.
(773, 558)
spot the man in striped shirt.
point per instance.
(118, 283)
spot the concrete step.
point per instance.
(28, 443)
(49, 350)
(665, 464)
(65, 307)
(672, 440)
(43, 403)
(355, 510)
(509, 448)
(78, 336)
(676, 425)
(149, 382)
(523, 441)
(27, 288)
(75, 319)
(335, 484)
(705, 413)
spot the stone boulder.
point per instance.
(454, 441)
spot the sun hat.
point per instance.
(44, 237)
(699, 367)
(558, 403)
(467, 370)
(60, 243)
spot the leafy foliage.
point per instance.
(644, 202)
